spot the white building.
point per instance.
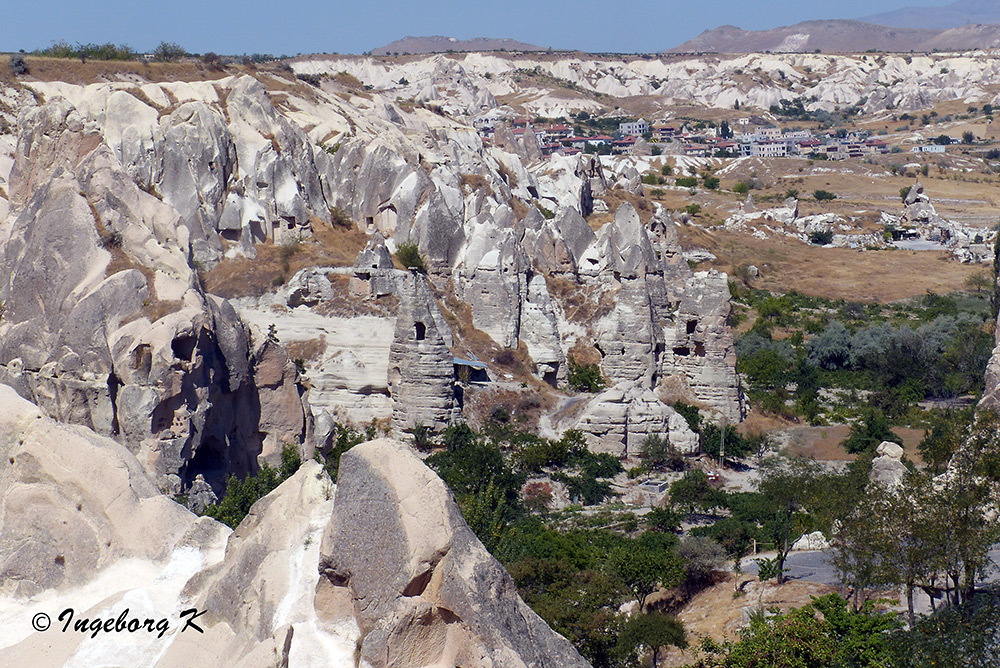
(769, 149)
(635, 129)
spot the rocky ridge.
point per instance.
(129, 343)
(470, 84)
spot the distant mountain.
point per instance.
(837, 36)
(961, 13)
(439, 44)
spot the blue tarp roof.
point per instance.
(474, 365)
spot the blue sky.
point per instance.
(349, 26)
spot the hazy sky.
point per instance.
(350, 26)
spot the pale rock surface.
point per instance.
(888, 468)
(71, 503)
(811, 541)
(620, 418)
(425, 590)
(421, 374)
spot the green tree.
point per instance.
(822, 195)
(651, 632)
(741, 188)
(169, 52)
(642, 569)
(409, 256)
(693, 491)
(585, 377)
(867, 433)
(785, 487)
(659, 454)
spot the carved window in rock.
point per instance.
(419, 331)
(691, 326)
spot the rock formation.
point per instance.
(619, 419)
(424, 589)
(421, 367)
(105, 323)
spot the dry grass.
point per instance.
(835, 273)
(309, 350)
(328, 247)
(824, 443)
(714, 612)
(525, 406)
(580, 303)
(98, 71)
(345, 305)
(473, 182)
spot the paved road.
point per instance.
(814, 566)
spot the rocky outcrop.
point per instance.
(106, 325)
(619, 419)
(888, 468)
(373, 270)
(421, 367)
(425, 590)
(72, 503)
(700, 351)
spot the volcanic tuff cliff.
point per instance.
(162, 182)
(124, 199)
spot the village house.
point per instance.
(634, 128)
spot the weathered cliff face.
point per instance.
(71, 502)
(386, 566)
(425, 591)
(211, 170)
(105, 323)
(421, 367)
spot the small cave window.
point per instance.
(682, 352)
(691, 326)
(699, 349)
(420, 330)
(183, 347)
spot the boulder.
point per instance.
(425, 590)
(811, 541)
(309, 287)
(888, 468)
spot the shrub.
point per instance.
(741, 188)
(168, 52)
(17, 64)
(822, 195)
(585, 377)
(213, 61)
(904, 192)
(711, 182)
(821, 238)
(659, 453)
(686, 182)
(409, 255)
